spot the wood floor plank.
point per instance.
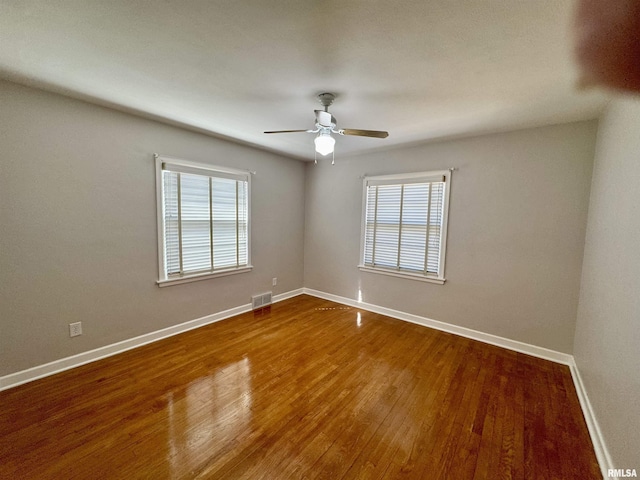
(307, 389)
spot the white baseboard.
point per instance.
(602, 454)
(57, 366)
(51, 368)
(599, 445)
(507, 343)
(290, 294)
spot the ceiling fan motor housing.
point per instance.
(325, 119)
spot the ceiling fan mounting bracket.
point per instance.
(326, 99)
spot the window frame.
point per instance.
(163, 279)
(405, 178)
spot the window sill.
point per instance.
(411, 276)
(202, 276)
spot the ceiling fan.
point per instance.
(326, 125)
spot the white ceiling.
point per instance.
(420, 69)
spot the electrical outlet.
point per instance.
(75, 329)
(274, 282)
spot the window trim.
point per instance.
(163, 280)
(401, 178)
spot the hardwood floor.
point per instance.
(309, 389)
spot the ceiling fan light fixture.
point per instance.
(324, 143)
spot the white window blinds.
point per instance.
(404, 223)
(205, 217)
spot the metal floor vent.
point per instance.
(259, 301)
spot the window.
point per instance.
(404, 226)
(203, 220)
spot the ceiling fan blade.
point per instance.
(364, 133)
(290, 131)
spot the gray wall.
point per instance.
(516, 231)
(607, 340)
(78, 238)
(78, 226)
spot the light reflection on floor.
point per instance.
(214, 410)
